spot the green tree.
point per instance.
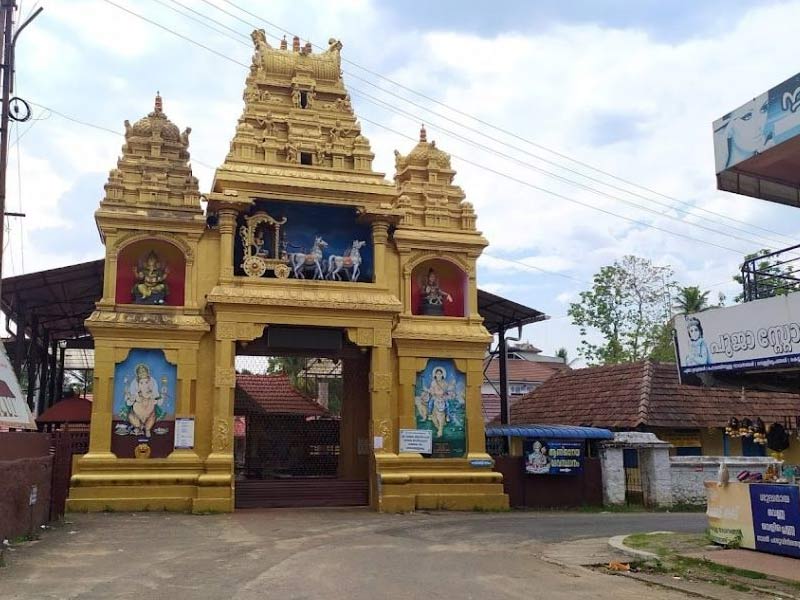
(690, 299)
(563, 354)
(771, 277)
(628, 305)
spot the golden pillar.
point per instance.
(380, 235)
(227, 228)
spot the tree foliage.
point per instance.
(628, 306)
(691, 299)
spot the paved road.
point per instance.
(304, 554)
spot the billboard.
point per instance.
(14, 411)
(763, 334)
(757, 146)
(766, 121)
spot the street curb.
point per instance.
(618, 543)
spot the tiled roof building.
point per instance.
(273, 394)
(644, 395)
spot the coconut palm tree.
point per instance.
(691, 299)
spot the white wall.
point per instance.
(688, 473)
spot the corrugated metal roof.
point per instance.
(564, 432)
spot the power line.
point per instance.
(563, 197)
(547, 173)
(101, 128)
(492, 126)
(528, 165)
(484, 167)
(204, 24)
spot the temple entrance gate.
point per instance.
(301, 420)
(297, 237)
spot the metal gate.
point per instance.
(289, 449)
(634, 490)
(63, 445)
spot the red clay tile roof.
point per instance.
(68, 410)
(524, 370)
(273, 394)
(644, 393)
(491, 406)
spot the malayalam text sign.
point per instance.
(763, 334)
(776, 518)
(553, 457)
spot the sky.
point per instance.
(539, 103)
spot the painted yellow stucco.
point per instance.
(296, 111)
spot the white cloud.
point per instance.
(618, 99)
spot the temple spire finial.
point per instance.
(159, 105)
(423, 135)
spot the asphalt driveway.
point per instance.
(304, 554)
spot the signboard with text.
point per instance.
(763, 334)
(416, 440)
(553, 457)
(776, 518)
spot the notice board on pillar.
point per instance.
(553, 457)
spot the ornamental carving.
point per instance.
(226, 330)
(137, 236)
(383, 338)
(307, 297)
(381, 382)
(225, 377)
(150, 320)
(221, 437)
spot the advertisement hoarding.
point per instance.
(553, 457)
(763, 334)
(759, 125)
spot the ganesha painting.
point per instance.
(144, 403)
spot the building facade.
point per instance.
(302, 248)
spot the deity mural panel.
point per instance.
(303, 241)
(440, 407)
(438, 289)
(151, 272)
(144, 405)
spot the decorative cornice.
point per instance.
(303, 294)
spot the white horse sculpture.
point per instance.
(299, 261)
(349, 262)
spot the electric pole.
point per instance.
(9, 39)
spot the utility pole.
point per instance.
(7, 9)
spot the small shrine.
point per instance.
(301, 247)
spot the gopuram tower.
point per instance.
(303, 250)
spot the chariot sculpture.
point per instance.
(261, 256)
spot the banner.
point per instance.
(553, 457)
(759, 334)
(14, 411)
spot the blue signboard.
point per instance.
(553, 457)
(776, 518)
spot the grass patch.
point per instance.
(671, 562)
(667, 544)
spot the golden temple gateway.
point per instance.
(299, 249)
